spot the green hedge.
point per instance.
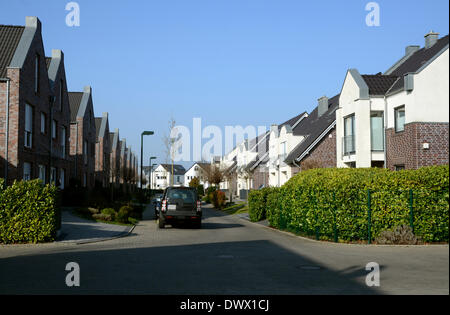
(28, 212)
(326, 203)
(257, 204)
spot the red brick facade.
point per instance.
(21, 93)
(406, 148)
(324, 153)
(102, 156)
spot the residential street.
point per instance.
(229, 255)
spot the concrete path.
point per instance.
(80, 231)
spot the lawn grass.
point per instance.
(236, 209)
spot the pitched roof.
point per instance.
(313, 127)
(379, 84)
(177, 168)
(416, 61)
(75, 102)
(98, 123)
(9, 40)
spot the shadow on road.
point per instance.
(248, 267)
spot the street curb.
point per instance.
(120, 235)
(337, 244)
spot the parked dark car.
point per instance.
(180, 204)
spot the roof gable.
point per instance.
(9, 40)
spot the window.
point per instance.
(377, 131)
(54, 124)
(53, 175)
(43, 123)
(399, 167)
(36, 74)
(400, 119)
(349, 135)
(85, 152)
(26, 171)
(63, 142)
(41, 169)
(61, 178)
(28, 126)
(283, 150)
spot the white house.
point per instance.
(282, 140)
(199, 170)
(398, 119)
(162, 176)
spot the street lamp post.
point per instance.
(144, 133)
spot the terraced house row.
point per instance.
(47, 132)
(398, 119)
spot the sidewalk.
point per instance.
(80, 231)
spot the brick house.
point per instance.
(33, 88)
(318, 146)
(114, 158)
(82, 137)
(398, 119)
(102, 151)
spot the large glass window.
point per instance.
(400, 119)
(349, 135)
(28, 126)
(377, 131)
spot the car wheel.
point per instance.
(198, 224)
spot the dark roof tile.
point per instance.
(9, 39)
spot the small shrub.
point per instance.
(111, 212)
(218, 199)
(102, 217)
(401, 235)
(123, 214)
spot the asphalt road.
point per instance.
(227, 256)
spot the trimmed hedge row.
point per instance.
(28, 212)
(330, 203)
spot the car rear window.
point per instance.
(185, 194)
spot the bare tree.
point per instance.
(169, 144)
(215, 175)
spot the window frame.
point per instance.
(28, 141)
(396, 110)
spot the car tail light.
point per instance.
(199, 206)
(164, 205)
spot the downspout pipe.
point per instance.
(7, 80)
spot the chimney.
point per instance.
(323, 106)
(430, 39)
(274, 128)
(409, 50)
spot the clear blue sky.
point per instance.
(230, 62)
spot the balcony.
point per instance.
(348, 143)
